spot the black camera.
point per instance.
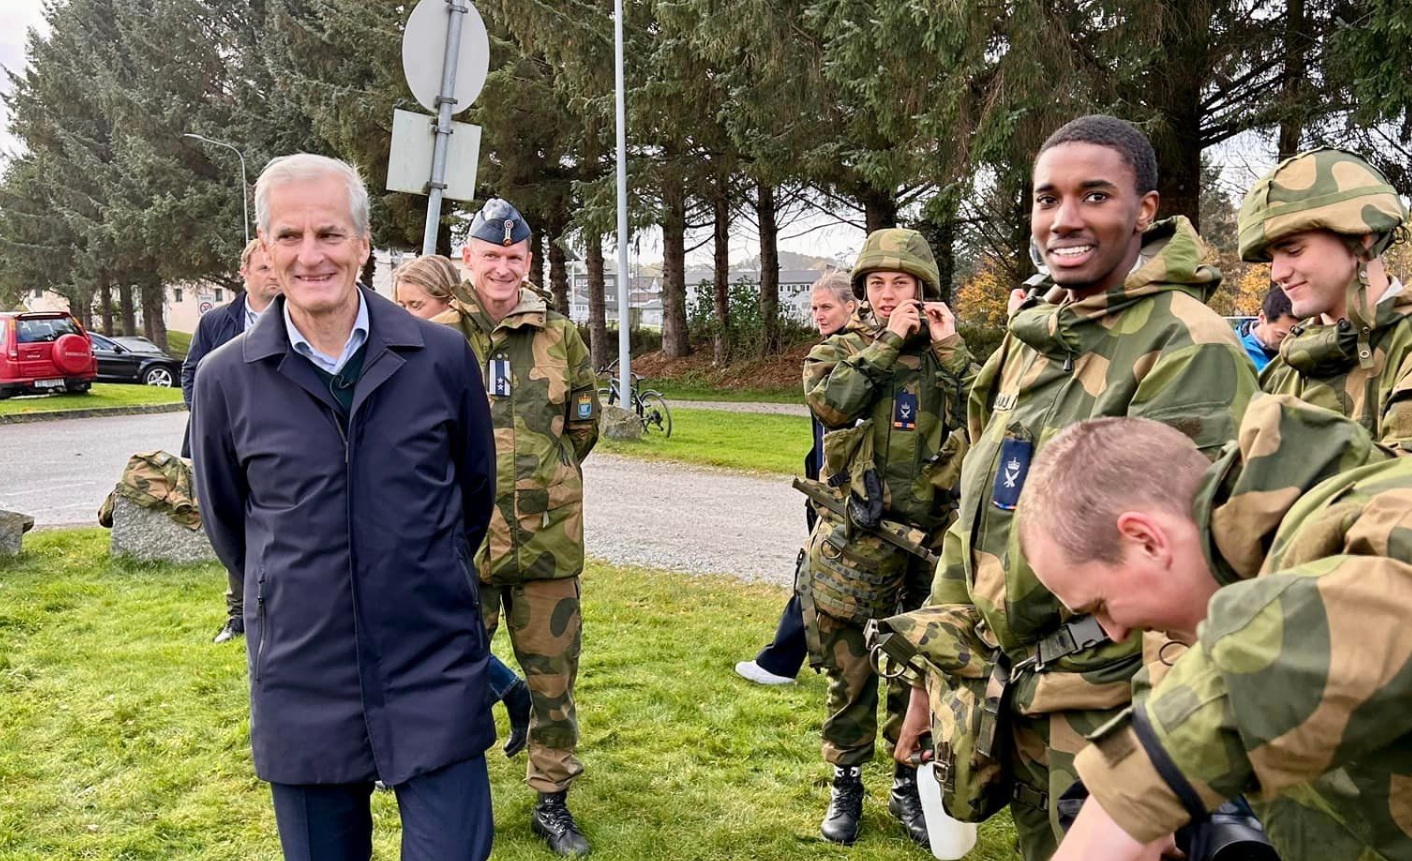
(1230, 833)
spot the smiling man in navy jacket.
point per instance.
(344, 463)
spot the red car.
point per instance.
(44, 351)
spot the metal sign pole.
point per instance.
(444, 102)
(624, 341)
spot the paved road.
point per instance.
(742, 407)
(654, 514)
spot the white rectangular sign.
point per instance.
(409, 165)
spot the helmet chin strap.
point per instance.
(1359, 308)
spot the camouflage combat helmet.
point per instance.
(896, 249)
(1325, 188)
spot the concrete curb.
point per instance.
(99, 412)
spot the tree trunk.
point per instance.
(721, 274)
(558, 278)
(369, 270)
(598, 345)
(154, 318)
(537, 274)
(676, 339)
(1298, 45)
(1177, 136)
(128, 307)
(879, 208)
(769, 270)
(105, 301)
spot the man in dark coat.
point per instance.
(344, 462)
(216, 327)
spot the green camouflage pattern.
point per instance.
(1323, 364)
(158, 480)
(859, 374)
(544, 428)
(854, 575)
(851, 721)
(1322, 189)
(896, 249)
(545, 623)
(1296, 691)
(1151, 348)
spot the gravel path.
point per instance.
(649, 513)
(743, 407)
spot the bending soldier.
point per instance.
(1288, 565)
(1323, 219)
(1132, 336)
(889, 389)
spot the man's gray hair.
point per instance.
(303, 167)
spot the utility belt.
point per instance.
(970, 681)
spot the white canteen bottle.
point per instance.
(950, 839)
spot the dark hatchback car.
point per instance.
(134, 360)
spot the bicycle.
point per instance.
(650, 406)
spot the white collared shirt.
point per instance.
(356, 339)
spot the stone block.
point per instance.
(614, 422)
(13, 526)
(148, 534)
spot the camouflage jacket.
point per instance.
(1296, 692)
(914, 391)
(1150, 348)
(544, 405)
(158, 480)
(1320, 364)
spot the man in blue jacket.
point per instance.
(1262, 336)
(216, 327)
(344, 462)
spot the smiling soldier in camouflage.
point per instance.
(1133, 336)
(1323, 219)
(544, 405)
(1288, 565)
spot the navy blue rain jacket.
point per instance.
(366, 649)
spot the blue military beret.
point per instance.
(499, 222)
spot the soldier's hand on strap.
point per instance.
(940, 321)
(916, 724)
(906, 319)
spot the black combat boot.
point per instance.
(845, 805)
(554, 822)
(906, 805)
(517, 706)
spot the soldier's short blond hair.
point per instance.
(435, 274)
(1094, 471)
(250, 248)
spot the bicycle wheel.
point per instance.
(656, 417)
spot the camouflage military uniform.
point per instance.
(1360, 366)
(912, 393)
(1149, 348)
(544, 405)
(1296, 692)
(158, 480)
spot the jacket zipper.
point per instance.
(260, 607)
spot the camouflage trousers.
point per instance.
(851, 727)
(545, 626)
(1042, 752)
(235, 595)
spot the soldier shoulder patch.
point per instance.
(585, 406)
(1015, 457)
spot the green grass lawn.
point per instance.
(124, 732)
(745, 441)
(178, 343)
(101, 395)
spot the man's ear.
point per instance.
(1143, 533)
(1147, 210)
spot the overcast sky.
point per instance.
(16, 17)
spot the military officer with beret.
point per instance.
(544, 406)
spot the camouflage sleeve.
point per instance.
(1395, 429)
(1201, 390)
(840, 386)
(221, 490)
(949, 585)
(1253, 707)
(581, 428)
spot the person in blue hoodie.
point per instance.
(1261, 337)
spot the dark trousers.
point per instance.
(235, 595)
(445, 817)
(786, 654)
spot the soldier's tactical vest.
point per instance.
(158, 480)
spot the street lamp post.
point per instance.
(244, 184)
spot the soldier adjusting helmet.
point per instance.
(896, 249)
(1322, 189)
